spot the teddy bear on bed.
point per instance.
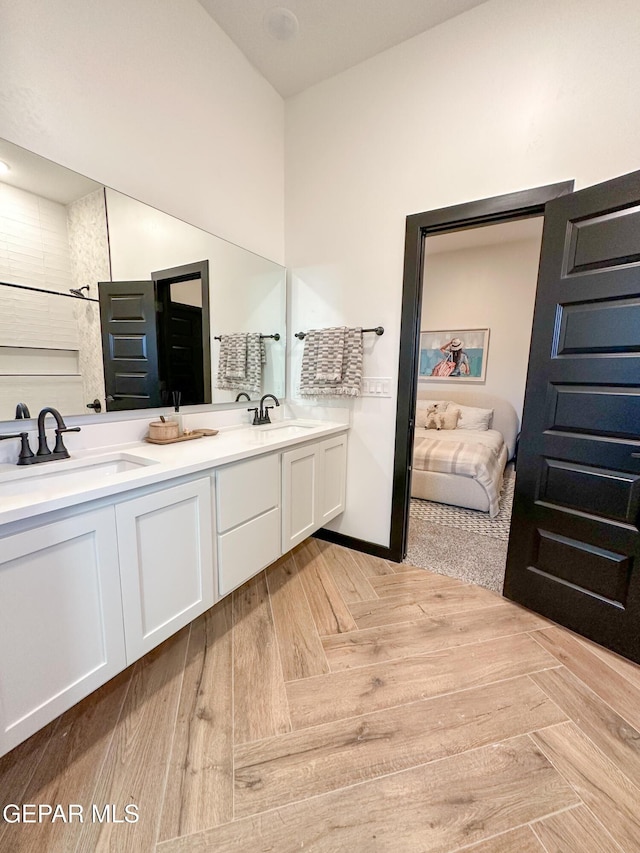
(442, 416)
(435, 415)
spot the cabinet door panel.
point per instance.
(333, 460)
(166, 562)
(61, 633)
(300, 494)
(247, 549)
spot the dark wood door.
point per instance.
(181, 352)
(129, 344)
(574, 543)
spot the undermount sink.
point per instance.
(48, 478)
(279, 432)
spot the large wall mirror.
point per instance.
(107, 304)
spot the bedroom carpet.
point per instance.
(462, 543)
(469, 519)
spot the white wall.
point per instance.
(485, 287)
(508, 96)
(151, 98)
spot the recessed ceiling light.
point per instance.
(4, 168)
(281, 23)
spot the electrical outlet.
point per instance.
(376, 386)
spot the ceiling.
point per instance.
(331, 35)
(34, 174)
(487, 235)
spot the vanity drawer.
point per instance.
(245, 490)
(247, 549)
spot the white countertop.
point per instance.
(49, 486)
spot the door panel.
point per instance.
(182, 351)
(613, 494)
(61, 633)
(129, 344)
(165, 548)
(574, 543)
(607, 326)
(598, 242)
(333, 467)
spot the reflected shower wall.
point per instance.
(48, 352)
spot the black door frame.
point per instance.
(473, 214)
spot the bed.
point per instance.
(478, 457)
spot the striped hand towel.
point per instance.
(255, 358)
(237, 347)
(330, 353)
(351, 372)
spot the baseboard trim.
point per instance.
(358, 545)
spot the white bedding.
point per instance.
(488, 437)
(479, 455)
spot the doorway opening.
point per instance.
(460, 218)
(478, 294)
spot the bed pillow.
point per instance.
(421, 417)
(450, 417)
(474, 418)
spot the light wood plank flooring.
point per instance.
(338, 702)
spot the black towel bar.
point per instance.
(275, 337)
(379, 330)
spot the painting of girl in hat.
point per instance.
(454, 351)
(454, 354)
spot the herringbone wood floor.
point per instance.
(341, 703)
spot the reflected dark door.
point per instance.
(574, 543)
(182, 349)
(129, 344)
(182, 296)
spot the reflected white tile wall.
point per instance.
(34, 245)
(89, 248)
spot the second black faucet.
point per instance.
(261, 414)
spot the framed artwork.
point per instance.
(454, 355)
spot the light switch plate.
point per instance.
(376, 386)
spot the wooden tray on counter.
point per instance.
(196, 433)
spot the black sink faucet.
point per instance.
(59, 451)
(242, 394)
(261, 415)
(22, 411)
(27, 456)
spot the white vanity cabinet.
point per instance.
(86, 589)
(165, 548)
(313, 488)
(247, 519)
(61, 633)
(267, 505)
